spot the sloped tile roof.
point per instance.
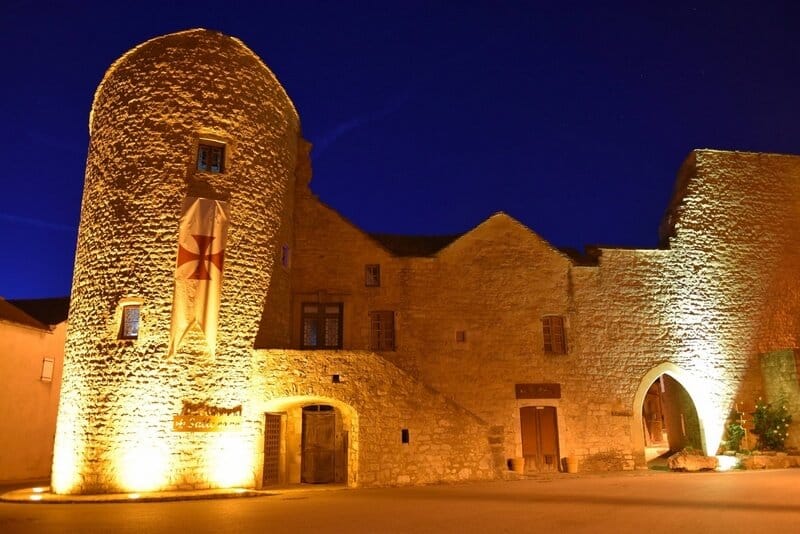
(11, 314)
(49, 311)
(414, 245)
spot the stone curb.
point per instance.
(32, 496)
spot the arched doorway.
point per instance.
(669, 419)
(311, 440)
(666, 415)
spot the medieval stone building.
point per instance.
(228, 329)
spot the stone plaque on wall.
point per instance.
(538, 391)
(206, 423)
(205, 417)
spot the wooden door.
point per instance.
(272, 449)
(539, 428)
(319, 445)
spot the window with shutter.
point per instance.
(554, 335)
(381, 330)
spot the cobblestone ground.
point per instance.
(652, 502)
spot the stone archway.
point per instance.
(290, 417)
(684, 418)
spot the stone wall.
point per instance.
(782, 385)
(495, 284)
(723, 292)
(149, 114)
(328, 265)
(720, 292)
(446, 442)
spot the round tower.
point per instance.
(186, 206)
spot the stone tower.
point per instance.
(191, 115)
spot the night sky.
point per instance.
(426, 117)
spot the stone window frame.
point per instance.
(210, 146)
(130, 321)
(372, 275)
(213, 138)
(554, 334)
(128, 303)
(320, 318)
(382, 331)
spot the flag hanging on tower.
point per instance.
(198, 273)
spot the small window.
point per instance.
(461, 336)
(321, 325)
(47, 370)
(129, 329)
(210, 157)
(381, 330)
(285, 256)
(404, 437)
(555, 339)
(372, 275)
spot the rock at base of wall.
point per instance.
(779, 460)
(688, 461)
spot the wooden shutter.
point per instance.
(381, 330)
(555, 340)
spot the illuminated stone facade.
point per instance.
(441, 396)
(149, 114)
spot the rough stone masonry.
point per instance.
(380, 360)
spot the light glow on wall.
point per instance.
(231, 461)
(711, 417)
(142, 455)
(68, 452)
(142, 466)
(702, 316)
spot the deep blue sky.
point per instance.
(426, 117)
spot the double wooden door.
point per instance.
(539, 427)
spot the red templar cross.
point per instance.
(203, 257)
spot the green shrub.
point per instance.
(735, 436)
(771, 424)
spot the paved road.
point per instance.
(751, 502)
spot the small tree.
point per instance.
(735, 436)
(771, 424)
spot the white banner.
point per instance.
(198, 274)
